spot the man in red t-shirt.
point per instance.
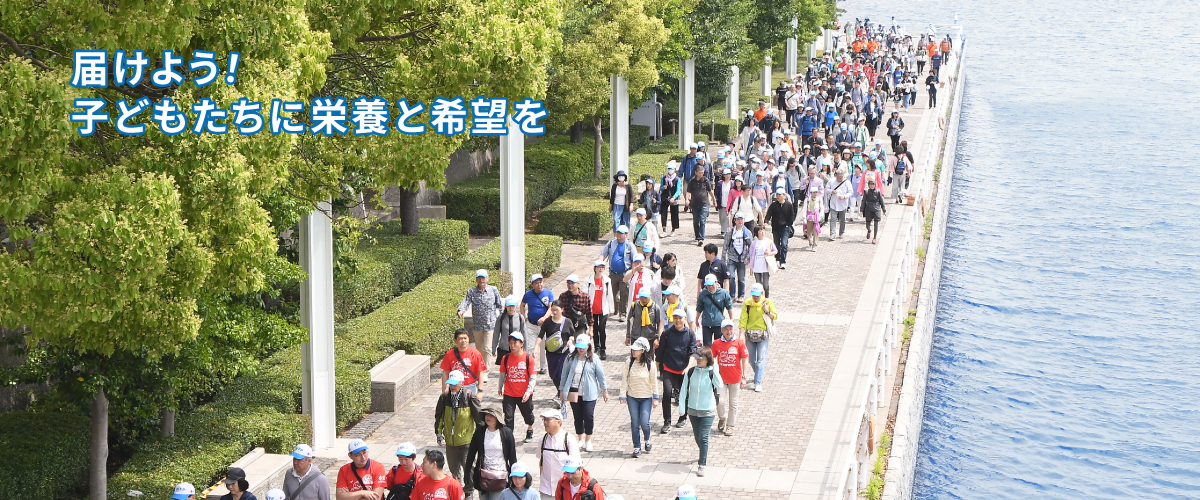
(518, 377)
(362, 478)
(465, 359)
(403, 477)
(435, 484)
(733, 362)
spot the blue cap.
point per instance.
(358, 445)
(647, 248)
(482, 273)
(756, 290)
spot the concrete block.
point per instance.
(263, 471)
(396, 380)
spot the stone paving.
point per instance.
(816, 294)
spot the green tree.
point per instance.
(114, 242)
(418, 51)
(719, 38)
(772, 20)
(601, 39)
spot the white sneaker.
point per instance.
(587, 445)
(700, 471)
(757, 387)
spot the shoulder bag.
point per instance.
(555, 342)
(493, 480)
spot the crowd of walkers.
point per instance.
(809, 158)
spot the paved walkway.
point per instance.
(817, 295)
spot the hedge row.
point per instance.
(552, 166)
(639, 137)
(262, 409)
(44, 455)
(390, 263)
(723, 128)
(582, 213)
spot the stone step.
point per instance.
(396, 380)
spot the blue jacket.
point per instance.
(610, 249)
(712, 305)
(687, 166)
(590, 384)
(808, 123)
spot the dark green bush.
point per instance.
(580, 214)
(262, 409)
(394, 263)
(43, 455)
(552, 166)
(639, 137)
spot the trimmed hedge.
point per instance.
(28, 439)
(394, 263)
(582, 213)
(552, 166)
(639, 137)
(262, 409)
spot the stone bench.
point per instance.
(396, 380)
(263, 471)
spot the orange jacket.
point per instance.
(563, 491)
(872, 46)
(946, 46)
(932, 48)
(858, 46)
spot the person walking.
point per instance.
(638, 277)
(579, 310)
(733, 363)
(737, 255)
(699, 197)
(641, 384)
(743, 205)
(509, 321)
(600, 302)
(583, 383)
(491, 455)
(813, 210)
(576, 482)
(518, 378)
(644, 231)
(620, 199)
(873, 209)
(711, 265)
(644, 320)
(303, 482)
(435, 483)
(931, 85)
(618, 252)
(781, 215)
(761, 252)
(404, 475)
(670, 197)
(672, 350)
(464, 359)
(556, 337)
(698, 392)
(455, 417)
(485, 302)
(721, 192)
(713, 306)
(839, 202)
(895, 126)
(756, 322)
(900, 169)
(185, 491)
(235, 481)
(649, 201)
(520, 484)
(557, 447)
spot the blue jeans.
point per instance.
(737, 279)
(699, 217)
(781, 242)
(758, 358)
(472, 389)
(639, 419)
(701, 427)
(620, 217)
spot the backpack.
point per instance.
(566, 449)
(712, 383)
(402, 491)
(900, 167)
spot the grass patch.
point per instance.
(875, 486)
(909, 322)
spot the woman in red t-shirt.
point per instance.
(601, 300)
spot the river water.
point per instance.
(1066, 359)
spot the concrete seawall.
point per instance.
(906, 434)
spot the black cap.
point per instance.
(234, 474)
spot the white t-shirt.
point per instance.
(619, 197)
(552, 462)
(493, 450)
(575, 489)
(760, 255)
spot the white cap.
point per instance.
(599, 263)
(679, 312)
(302, 452)
(518, 469)
(535, 277)
(728, 322)
(552, 413)
(692, 145)
(406, 450)
(481, 273)
(641, 344)
(572, 464)
(710, 279)
(582, 341)
(454, 378)
(671, 290)
(622, 228)
(640, 211)
(756, 289)
(357, 445)
(512, 300)
(686, 492)
(183, 490)
(275, 494)
(517, 335)
(573, 278)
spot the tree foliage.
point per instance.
(772, 20)
(719, 38)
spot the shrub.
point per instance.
(552, 166)
(581, 214)
(262, 408)
(639, 137)
(59, 443)
(394, 263)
